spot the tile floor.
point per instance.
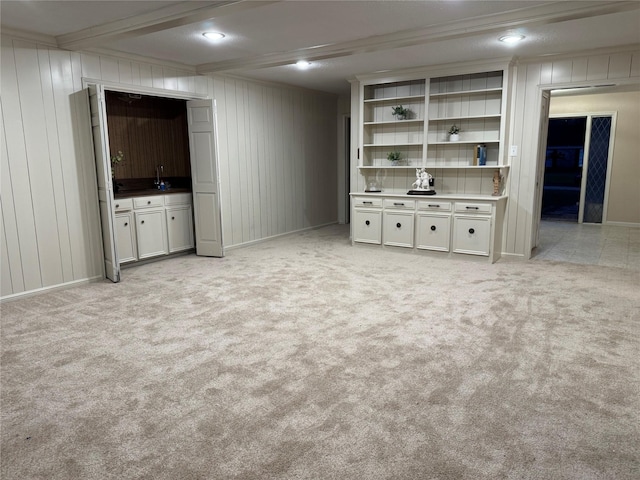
(590, 244)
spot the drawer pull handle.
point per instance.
(126, 223)
(472, 208)
(434, 206)
(367, 203)
(433, 228)
(398, 225)
(472, 231)
(399, 204)
(367, 222)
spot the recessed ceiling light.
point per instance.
(511, 38)
(213, 35)
(302, 64)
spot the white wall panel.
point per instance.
(277, 159)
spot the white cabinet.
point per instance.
(151, 232)
(472, 228)
(126, 237)
(179, 228)
(451, 225)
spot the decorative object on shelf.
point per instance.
(480, 155)
(454, 133)
(497, 183)
(400, 112)
(394, 157)
(424, 182)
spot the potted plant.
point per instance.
(400, 112)
(454, 133)
(394, 157)
(115, 160)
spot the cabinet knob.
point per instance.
(117, 205)
(148, 202)
(433, 228)
(367, 222)
(472, 231)
(398, 224)
(126, 223)
(173, 218)
(142, 221)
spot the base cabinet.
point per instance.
(126, 237)
(150, 230)
(448, 223)
(179, 228)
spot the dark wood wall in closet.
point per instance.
(150, 131)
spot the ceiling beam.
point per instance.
(171, 16)
(537, 15)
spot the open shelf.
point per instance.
(465, 92)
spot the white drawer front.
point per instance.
(148, 202)
(434, 206)
(367, 202)
(433, 232)
(177, 199)
(398, 229)
(367, 226)
(399, 204)
(473, 207)
(123, 204)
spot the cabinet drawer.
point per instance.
(148, 202)
(367, 202)
(434, 206)
(177, 199)
(399, 204)
(473, 207)
(398, 229)
(367, 226)
(471, 235)
(433, 232)
(123, 204)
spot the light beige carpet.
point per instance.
(306, 358)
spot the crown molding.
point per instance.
(39, 38)
(552, 57)
(105, 52)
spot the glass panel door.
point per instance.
(597, 169)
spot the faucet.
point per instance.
(159, 175)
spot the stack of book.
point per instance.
(480, 154)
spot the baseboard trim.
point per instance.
(623, 224)
(512, 257)
(260, 240)
(52, 288)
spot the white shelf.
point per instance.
(470, 117)
(396, 122)
(445, 167)
(385, 145)
(466, 92)
(464, 142)
(395, 99)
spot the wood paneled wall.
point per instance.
(277, 168)
(150, 131)
(278, 159)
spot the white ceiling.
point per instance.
(340, 38)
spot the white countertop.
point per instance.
(438, 196)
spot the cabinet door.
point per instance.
(433, 232)
(367, 226)
(471, 234)
(152, 233)
(125, 237)
(180, 228)
(398, 229)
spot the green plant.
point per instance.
(394, 156)
(115, 160)
(400, 111)
(454, 130)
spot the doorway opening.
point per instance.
(563, 168)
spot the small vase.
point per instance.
(454, 137)
(394, 163)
